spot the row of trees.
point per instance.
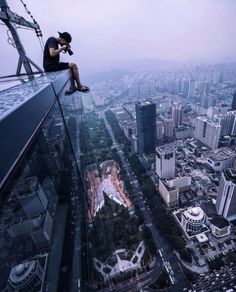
(162, 282)
(113, 229)
(96, 143)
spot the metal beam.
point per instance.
(11, 19)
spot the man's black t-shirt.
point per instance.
(47, 59)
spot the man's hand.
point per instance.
(64, 47)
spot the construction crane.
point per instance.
(11, 20)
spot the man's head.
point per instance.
(65, 37)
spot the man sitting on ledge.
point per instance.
(51, 59)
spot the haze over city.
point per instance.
(111, 34)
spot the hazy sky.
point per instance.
(107, 32)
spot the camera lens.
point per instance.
(70, 52)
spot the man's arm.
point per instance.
(54, 52)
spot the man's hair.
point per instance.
(66, 36)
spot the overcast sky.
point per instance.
(107, 32)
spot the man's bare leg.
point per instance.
(75, 73)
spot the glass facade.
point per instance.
(42, 207)
(146, 127)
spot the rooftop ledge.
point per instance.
(22, 108)
(14, 97)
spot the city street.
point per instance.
(170, 261)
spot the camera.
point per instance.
(68, 50)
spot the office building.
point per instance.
(170, 195)
(181, 182)
(221, 77)
(226, 198)
(208, 101)
(219, 226)
(177, 115)
(214, 111)
(170, 189)
(207, 132)
(220, 159)
(168, 130)
(178, 86)
(165, 161)
(192, 84)
(227, 122)
(160, 132)
(204, 87)
(186, 88)
(146, 126)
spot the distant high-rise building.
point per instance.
(172, 86)
(208, 101)
(234, 102)
(177, 115)
(204, 87)
(221, 76)
(213, 111)
(226, 199)
(191, 90)
(186, 88)
(207, 132)
(207, 87)
(160, 131)
(227, 122)
(179, 86)
(165, 161)
(168, 129)
(146, 126)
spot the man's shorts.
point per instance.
(56, 67)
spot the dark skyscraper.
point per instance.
(234, 102)
(146, 126)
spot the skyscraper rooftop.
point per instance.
(22, 108)
(12, 98)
